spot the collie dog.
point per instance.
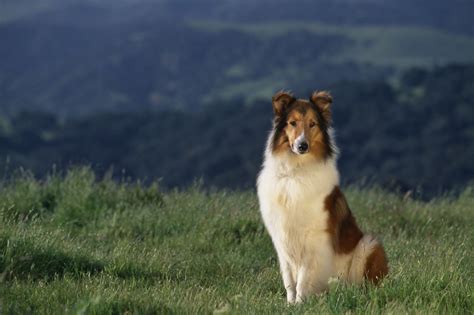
(306, 214)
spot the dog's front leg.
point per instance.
(310, 282)
(313, 277)
(288, 280)
(287, 273)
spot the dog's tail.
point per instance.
(368, 261)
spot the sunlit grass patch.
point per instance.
(100, 246)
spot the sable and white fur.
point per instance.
(293, 190)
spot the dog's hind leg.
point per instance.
(376, 266)
(368, 262)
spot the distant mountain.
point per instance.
(419, 134)
(78, 57)
(455, 15)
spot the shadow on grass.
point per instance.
(98, 306)
(22, 259)
(130, 271)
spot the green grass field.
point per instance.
(77, 244)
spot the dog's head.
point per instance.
(302, 126)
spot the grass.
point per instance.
(78, 244)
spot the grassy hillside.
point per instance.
(399, 136)
(368, 50)
(78, 244)
(83, 59)
(384, 45)
(12, 10)
(454, 16)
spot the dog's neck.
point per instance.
(287, 164)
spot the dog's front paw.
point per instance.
(290, 296)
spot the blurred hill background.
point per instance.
(181, 89)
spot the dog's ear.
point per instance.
(280, 102)
(323, 100)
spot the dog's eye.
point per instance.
(312, 124)
(293, 123)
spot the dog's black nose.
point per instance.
(302, 147)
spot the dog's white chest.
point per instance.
(292, 205)
(300, 210)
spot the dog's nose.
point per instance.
(302, 147)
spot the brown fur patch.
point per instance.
(323, 100)
(342, 226)
(376, 266)
(319, 146)
(281, 101)
(280, 143)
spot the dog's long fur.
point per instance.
(307, 216)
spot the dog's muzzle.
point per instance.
(303, 147)
(300, 146)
